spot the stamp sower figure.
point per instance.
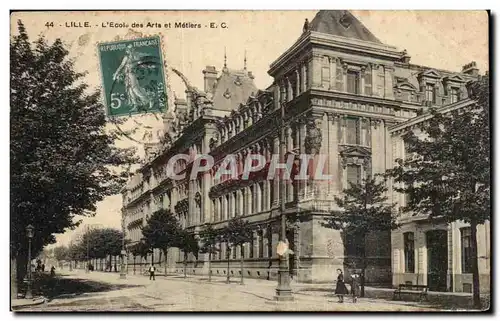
(152, 270)
(355, 287)
(340, 289)
(136, 95)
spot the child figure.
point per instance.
(355, 287)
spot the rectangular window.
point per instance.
(430, 93)
(353, 131)
(353, 174)
(409, 252)
(455, 95)
(234, 252)
(466, 240)
(352, 82)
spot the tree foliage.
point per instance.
(446, 172)
(61, 253)
(161, 230)
(140, 249)
(209, 238)
(237, 233)
(364, 209)
(97, 244)
(187, 242)
(63, 161)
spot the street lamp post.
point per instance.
(29, 233)
(283, 290)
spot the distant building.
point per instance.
(348, 96)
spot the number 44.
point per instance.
(49, 24)
(116, 100)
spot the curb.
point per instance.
(35, 302)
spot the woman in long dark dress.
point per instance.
(340, 289)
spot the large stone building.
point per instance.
(348, 96)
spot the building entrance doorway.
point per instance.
(437, 259)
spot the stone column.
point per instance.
(389, 93)
(344, 71)
(333, 153)
(303, 78)
(297, 83)
(316, 70)
(333, 72)
(289, 90)
(362, 80)
(379, 141)
(224, 212)
(239, 196)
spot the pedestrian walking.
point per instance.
(355, 290)
(52, 271)
(152, 270)
(340, 289)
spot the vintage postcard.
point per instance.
(329, 160)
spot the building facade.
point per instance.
(347, 96)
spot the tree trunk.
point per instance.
(228, 255)
(210, 265)
(241, 263)
(363, 270)
(165, 253)
(475, 269)
(13, 279)
(134, 264)
(185, 264)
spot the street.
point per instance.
(100, 291)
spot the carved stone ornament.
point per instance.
(313, 138)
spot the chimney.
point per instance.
(210, 77)
(250, 75)
(470, 69)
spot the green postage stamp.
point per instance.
(133, 76)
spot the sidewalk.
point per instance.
(23, 303)
(195, 293)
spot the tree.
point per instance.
(188, 243)
(161, 231)
(61, 253)
(140, 249)
(209, 238)
(448, 173)
(63, 160)
(237, 233)
(364, 209)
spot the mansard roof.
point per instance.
(233, 88)
(341, 23)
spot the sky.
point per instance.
(441, 39)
